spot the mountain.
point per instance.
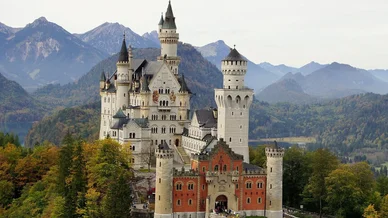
(201, 77)
(82, 120)
(43, 53)
(381, 74)
(311, 67)
(336, 81)
(108, 38)
(342, 77)
(279, 70)
(6, 32)
(152, 36)
(256, 77)
(285, 90)
(16, 105)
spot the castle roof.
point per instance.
(205, 118)
(141, 122)
(234, 55)
(123, 57)
(161, 20)
(144, 84)
(119, 114)
(163, 146)
(169, 21)
(184, 87)
(221, 145)
(103, 77)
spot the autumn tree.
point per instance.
(370, 212)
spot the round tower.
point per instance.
(169, 37)
(123, 77)
(164, 180)
(274, 181)
(233, 102)
(234, 68)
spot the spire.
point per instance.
(123, 52)
(184, 87)
(169, 22)
(161, 20)
(102, 77)
(234, 55)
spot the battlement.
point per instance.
(255, 172)
(164, 153)
(184, 173)
(274, 152)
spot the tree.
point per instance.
(6, 193)
(118, 198)
(257, 155)
(322, 163)
(295, 176)
(343, 194)
(147, 156)
(384, 207)
(370, 212)
(382, 185)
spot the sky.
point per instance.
(291, 32)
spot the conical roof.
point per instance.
(119, 114)
(169, 21)
(102, 77)
(161, 20)
(123, 52)
(234, 55)
(184, 87)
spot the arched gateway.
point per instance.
(221, 203)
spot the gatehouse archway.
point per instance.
(221, 203)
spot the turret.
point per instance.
(234, 68)
(102, 80)
(163, 181)
(160, 25)
(169, 37)
(274, 181)
(233, 102)
(123, 76)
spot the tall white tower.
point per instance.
(169, 37)
(233, 102)
(274, 181)
(163, 182)
(123, 77)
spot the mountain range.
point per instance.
(44, 53)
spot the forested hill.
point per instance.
(344, 124)
(201, 76)
(16, 105)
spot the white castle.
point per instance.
(148, 102)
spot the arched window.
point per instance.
(224, 168)
(260, 184)
(216, 168)
(248, 184)
(248, 200)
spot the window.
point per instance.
(190, 201)
(159, 197)
(160, 164)
(260, 185)
(190, 186)
(203, 169)
(216, 168)
(271, 169)
(248, 200)
(160, 180)
(230, 139)
(270, 186)
(163, 130)
(224, 168)
(236, 186)
(203, 187)
(179, 186)
(178, 202)
(259, 200)
(249, 184)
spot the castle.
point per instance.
(147, 103)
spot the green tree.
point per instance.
(322, 163)
(382, 185)
(296, 174)
(6, 193)
(257, 155)
(118, 198)
(343, 193)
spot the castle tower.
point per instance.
(169, 37)
(164, 176)
(274, 181)
(123, 77)
(233, 102)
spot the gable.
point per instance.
(194, 120)
(164, 78)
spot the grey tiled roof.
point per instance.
(206, 118)
(123, 57)
(103, 77)
(119, 114)
(152, 67)
(169, 21)
(184, 87)
(161, 20)
(234, 56)
(111, 89)
(141, 122)
(250, 167)
(163, 146)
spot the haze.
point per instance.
(277, 31)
